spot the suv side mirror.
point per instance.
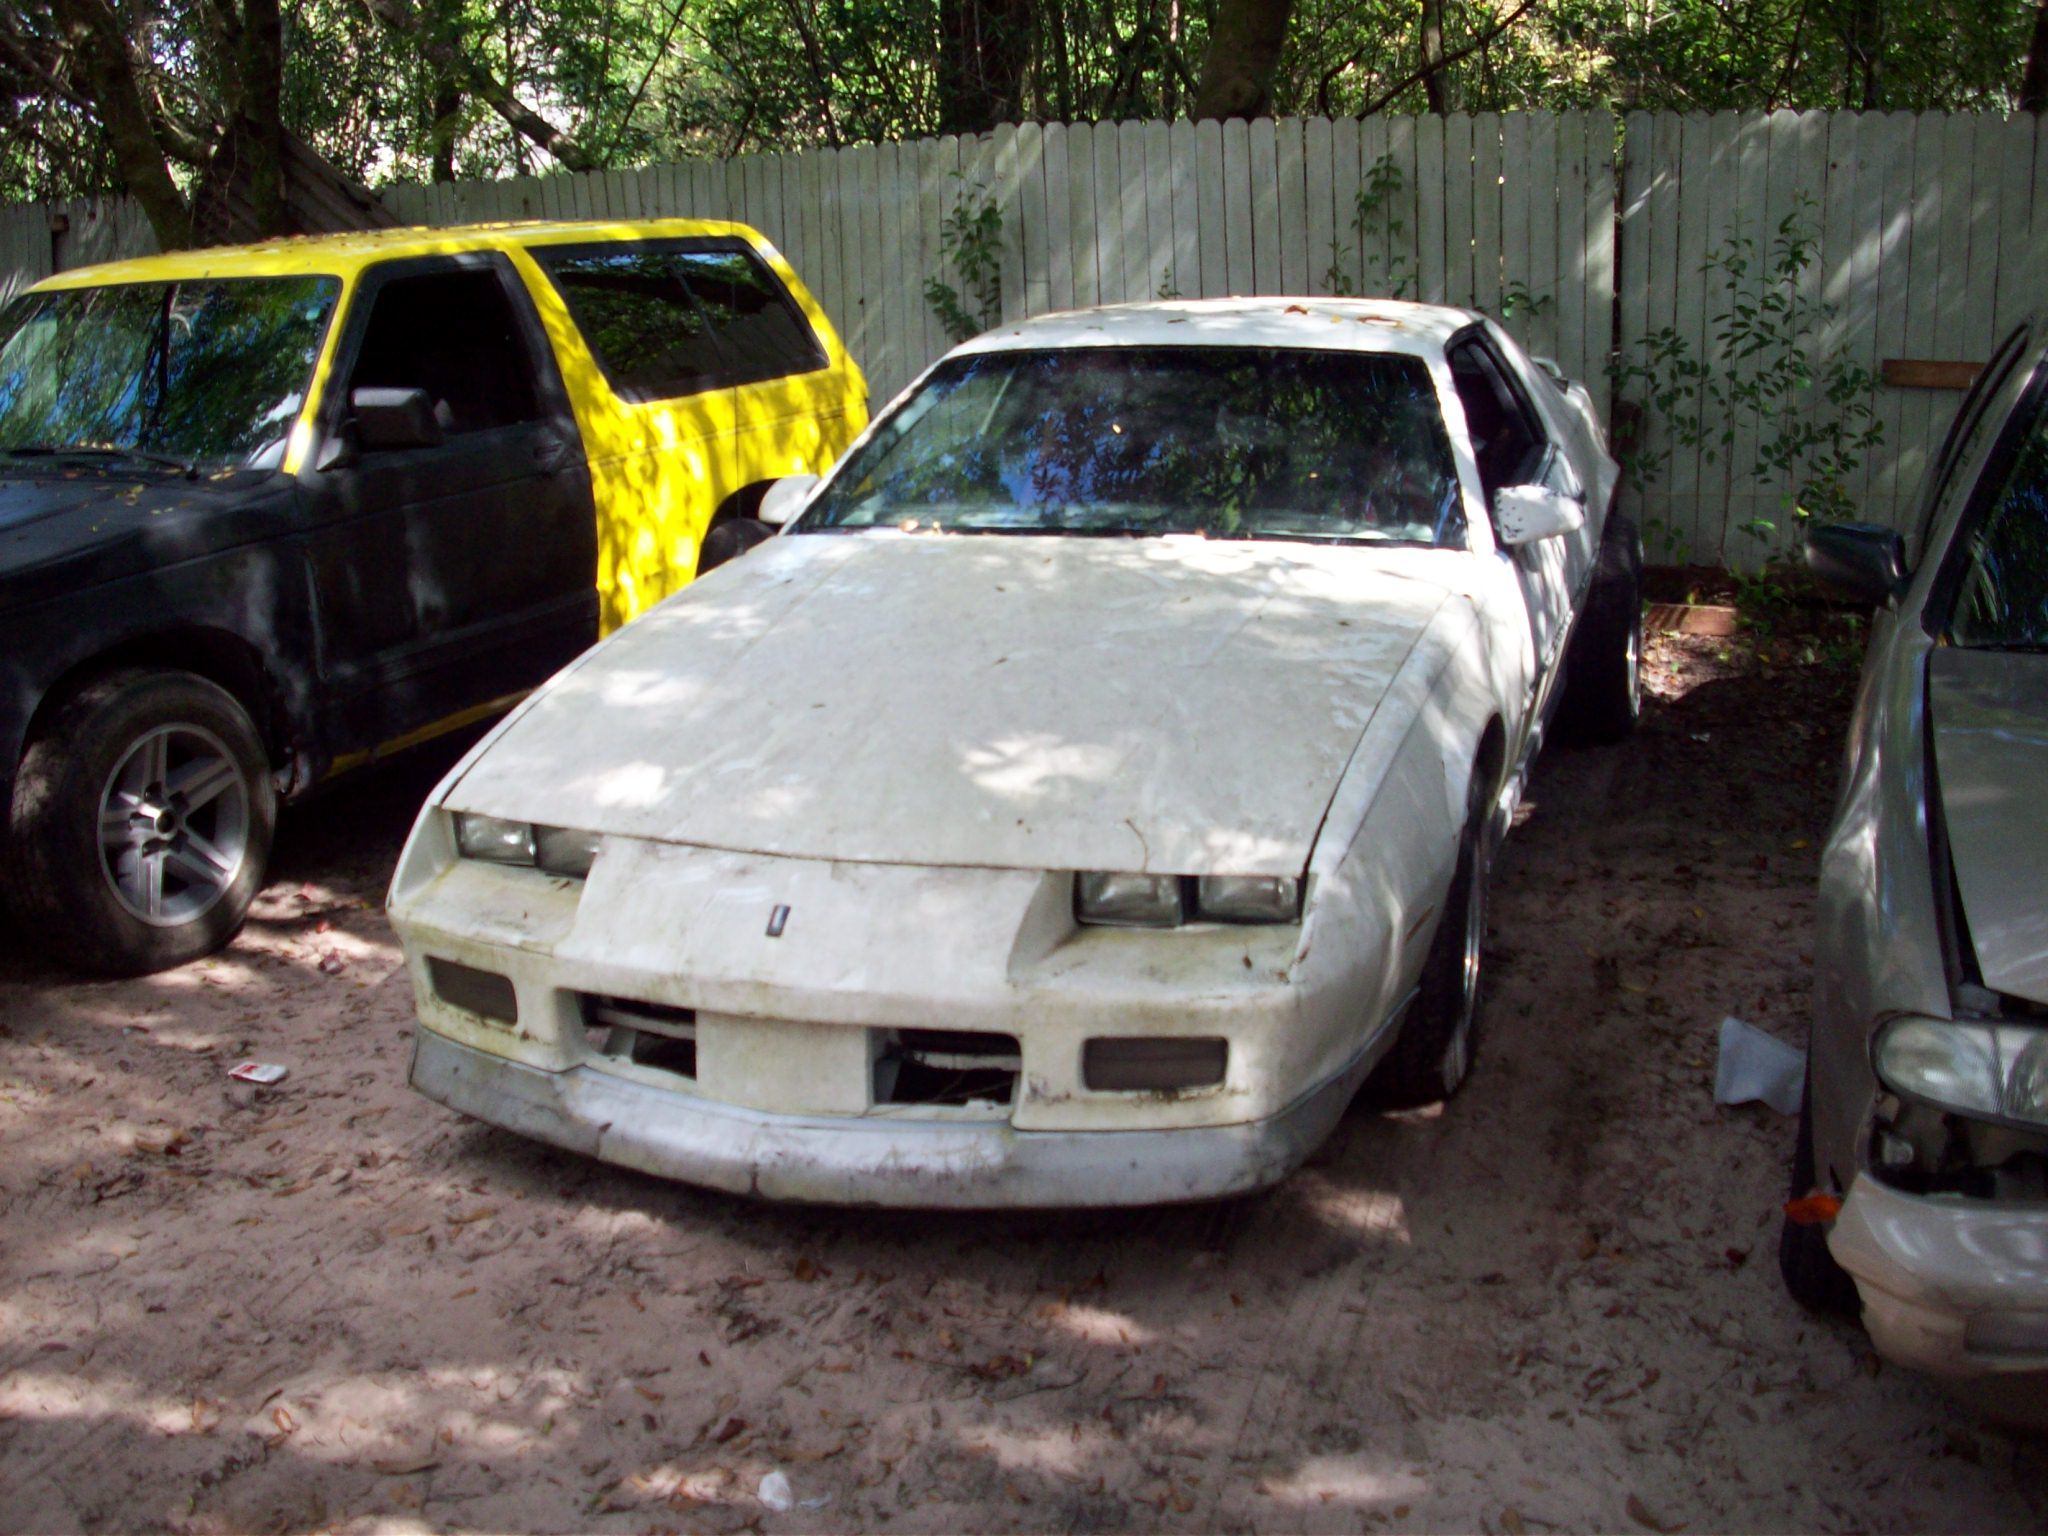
(782, 500)
(1522, 514)
(1857, 562)
(394, 418)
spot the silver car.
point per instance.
(1920, 1182)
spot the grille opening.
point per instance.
(657, 1035)
(484, 993)
(946, 1067)
(1153, 1064)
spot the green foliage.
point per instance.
(1374, 218)
(1812, 418)
(970, 239)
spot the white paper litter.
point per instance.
(776, 1492)
(1757, 1066)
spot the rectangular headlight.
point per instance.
(1248, 898)
(1994, 1070)
(1128, 901)
(562, 851)
(493, 839)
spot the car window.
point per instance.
(211, 372)
(455, 335)
(1229, 442)
(1506, 442)
(649, 335)
(1965, 430)
(2002, 599)
(761, 333)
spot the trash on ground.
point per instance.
(265, 1072)
(1758, 1066)
(776, 1492)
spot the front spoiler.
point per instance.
(1955, 1288)
(926, 1164)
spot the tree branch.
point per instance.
(1484, 40)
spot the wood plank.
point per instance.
(889, 319)
(1107, 215)
(1568, 311)
(1158, 210)
(854, 311)
(1401, 222)
(1897, 135)
(1929, 373)
(1487, 237)
(1059, 229)
(1029, 150)
(2018, 289)
(1541, 179)
(1082, 223)
(1375, 156)
(1430, 218)
(1211, 238)
(1319, 223)
(1516, 240)
(1183, 152)
(1134, 249)
(1237, 208)
(1004, 184)
(1347, 260)
(1979, 331)
(1598, 245)
(938, 164)
(1456, 192)
(1262, 158)
(1290, 188)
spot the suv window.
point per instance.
(1504, 440)
(2002, 602)
(671, 318)
(453, 334)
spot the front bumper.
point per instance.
(1956, 1288)
(887, 1162)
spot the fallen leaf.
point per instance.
(407, 1468)
(468, 1218)
(649, 1393)
(412, 1230)
(1511, 1522)
(730, 1430)
(1640, 1513)
(804, 1269)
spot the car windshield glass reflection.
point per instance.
(1226, 442)
(2003, 601)
(194, 374)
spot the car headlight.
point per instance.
(1994, 1070)
(554, 850)
(1165, 901)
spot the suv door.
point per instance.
(451, 575)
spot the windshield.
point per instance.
(1231, 442)
(209, 373)
(2003, 601)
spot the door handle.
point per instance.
(550, 453)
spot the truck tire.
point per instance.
(1432, 1056)
(142, 818)
(1809, 1270)
(1603, 664)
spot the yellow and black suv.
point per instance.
(271, 512)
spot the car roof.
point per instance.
(346, 254)
(1323, 325)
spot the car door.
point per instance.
(452, 574)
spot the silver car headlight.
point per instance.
(553, 850)
(1999, 1071)
(1166, 901)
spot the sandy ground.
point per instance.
(1551, 1305)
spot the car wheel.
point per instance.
(1603, 691)
(1811, 1274)
(141, 823)
(1432, 1056)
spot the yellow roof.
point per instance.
(345, 255)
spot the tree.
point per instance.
(1243, 60)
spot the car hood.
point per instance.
(1990, 713)
(1174, 705)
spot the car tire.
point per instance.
(1810, 1272)
(141, 823)
(1433, 1054)
(1603, 691)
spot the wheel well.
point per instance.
(1488, 764)
(225, 660)
(744, 502)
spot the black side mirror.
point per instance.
(1857, 562)
(394, 418)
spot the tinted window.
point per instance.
(760, 332)
(650, 337)
(211, 372)
(2002, 601)
(1504, 441)
(453, 334)
(1227, 442)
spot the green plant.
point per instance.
(970, 238)
(1372, 213)
(1168, 289)
(1515, 299)
(1812, 421)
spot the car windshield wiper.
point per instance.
(93, 451)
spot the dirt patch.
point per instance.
(1550, 1305)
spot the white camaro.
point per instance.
(1091, 786)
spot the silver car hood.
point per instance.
(1174, 705)
(1990, 714)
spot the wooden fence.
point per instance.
(1586, 235)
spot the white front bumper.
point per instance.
(855, 1161)
(1952, 1287)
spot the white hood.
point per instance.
(1177, 705)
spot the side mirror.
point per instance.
(785, 498)
(730, 539)
(1522, 514)
(1857, 562)
(394, 418)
